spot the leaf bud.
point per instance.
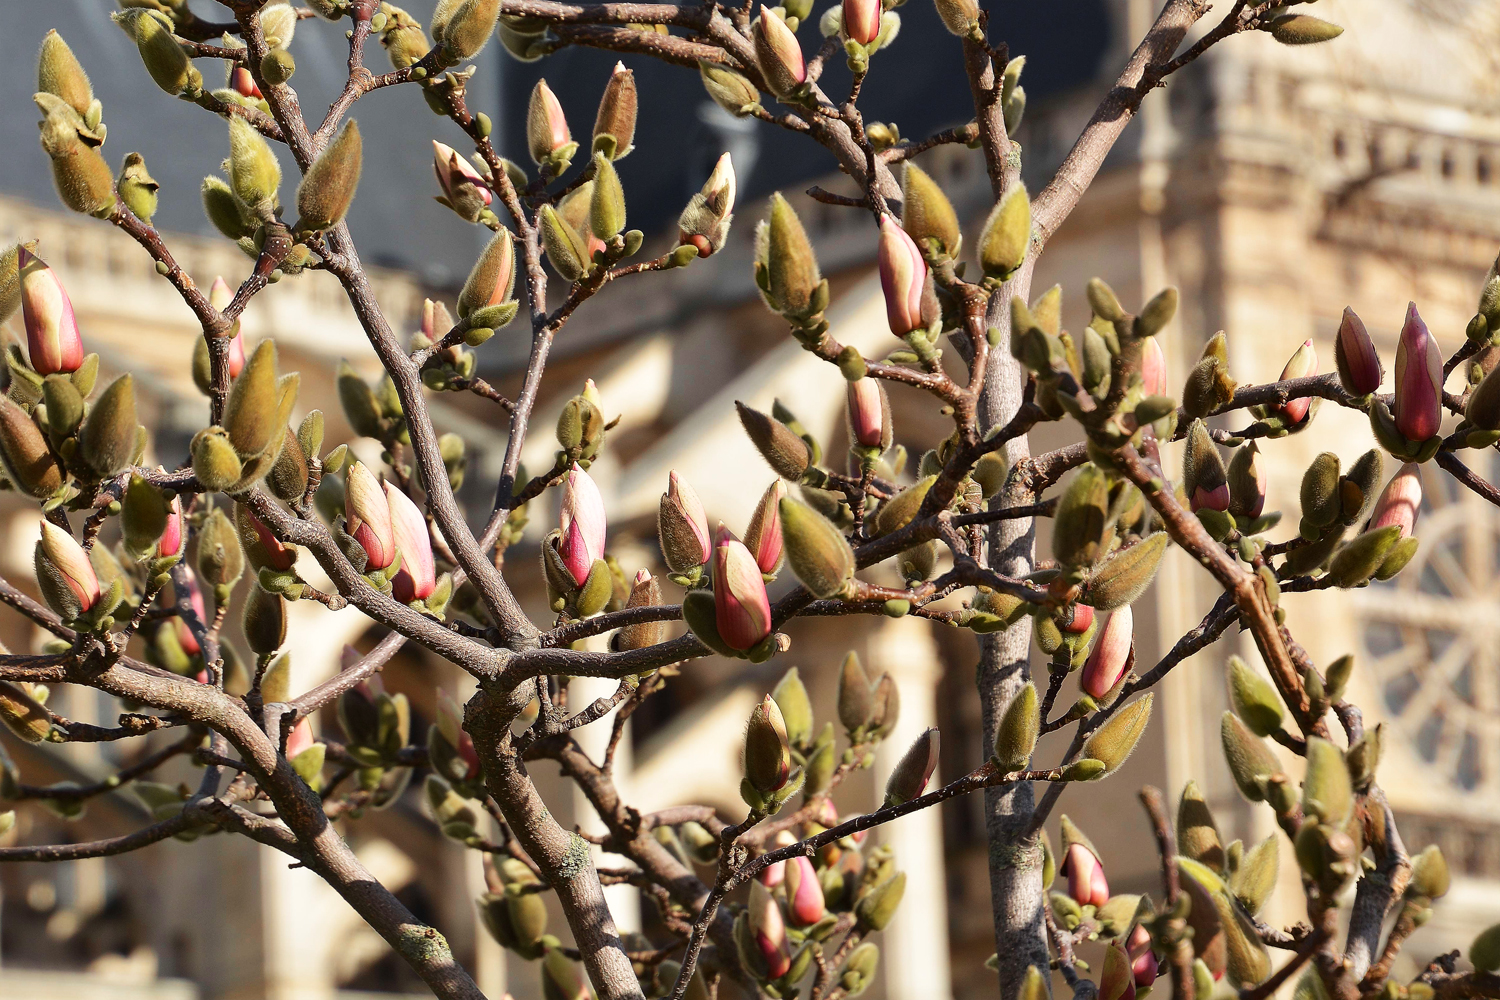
(215, 463)
(1113, 742)
(327, 189)
(254, 174)
(1197, 833)
(796, 710)
(877, 907)
(1254, 698)
(1251, 761)
(22, 714)
(1016, 736)
(607, 204)
(108, 439)
(1157, 313)
(1430, 878)
(565, 247)
(254, 402)
(1327, 790)
(137, 188)
(225, 211)
(1007, 233)
(729, 89)
(1082, 523)
(816, 549)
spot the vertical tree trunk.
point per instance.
(1015, 862)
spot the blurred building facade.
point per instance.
(1273, 186)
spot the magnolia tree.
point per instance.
(139, 568)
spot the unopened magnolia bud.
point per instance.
(926, 212)
(327, 189)
(742, 612)
(786, 453)
(912, 772)
(897, 512)
(143, 516)
(492, 279)
(1016, 736)
(52, 338)
(763, 537)
(869, 414)
(28, 462)
(225, 211)
(768, 756)
(778, 54)
(1355, 356)
(108, 439)
(547, 135)
(1253, 881)
(796, 708)
(877, 907)
(467, 28)
(1327, 792)
(816, 549)
(1254, 698)
(1250, 759)
(254, 173)
(1197, 833)
(1418, 409)
(856, 696)
(902, 273)
(1113, 742)
(1082, 519)
(215, 463)
(961, 17)
(1430, 877)
(59, 72)
(137, 188)
(163, 56)
(1363, 556)
(786, 267)
(264, 620)
(1110, 655)
(22, 714)
(565, 247)
(250, 412)
(682, 527)
(614, 125)
(221, 559)
(1303, 29)
(367, 515)
(1247, 481)
(607, 205)
(1007, 233)
(729, 89)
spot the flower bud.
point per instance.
(1082, 521)
(492, 279)
(1319, 493)
(417, 577)
(682, 527)
(1117, 980)
(59, 72)
(27, 461)
(547, 134)
(1007, 232)
(1400, 502)
(961, 17)
(729, 89)
(254, 174)
(742, 612)
(902, 271)
(162, 55)
(254, 401)
(877, 907)
(265, 624)
(464, 188)
(768, 756)
(607, 204)
(1355, 356)
(804, 894)
(108, 439)
(215, 463)
(816, 549)
(52, 337)
(466, 30)
(1113, 742)
(1430, 878)
(645, 593)
(1303, 363)
(327, 189)
(1303, 29)
(914, 770)
(1247, 481)
(563, 979)
(1251, 762)
(861, 23)
(767, 932)
(763, 537)
(221, 559)
(1197, 833)
(22, 714)
(786, 268)
(926, 212)
(367, 517)
(137, 188)
(1203, 474)
(1255, 878)
(704, 223)
(614, 125)
(1153, 368)
(1125, 575)
(565, 247)
(581, 522)
(1016, 736)
(1110, 656)
(1327, 790)
(1087, 885)
(778, 54)
(796, 708)
(869, 414)
(263, 549)
(856, 695)
(1419, 380)
(63, 553)
(144, 517)
(225, 211)
(785, 452)
(1254, 699)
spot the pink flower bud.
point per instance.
(763, 538)
(416, 578)
(1110, 655)
(902, 271)
(685, 510)
(219, 296)
(1153, 368)
(1419, 380)
(185, 637)
(456, 176)
(242, 83)
(450, 723)
(171, 536)
(1356, 357)
(547, 126)
(804, 894)
(862, 20)
(368, 517)
(1086, 882)
(778, 54)
(1143, 962)
(300, 739)
(278, 556)
(742, 612)
(719, 190)
(63, 551)
(1117, 981)
(867, 413)
(581, 521)
(52, 337)
(1302, 364)
(1083, 617)
(769, 931)
(1218, 497)
(774, 874)
(1401, 501)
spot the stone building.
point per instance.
(1274, 186)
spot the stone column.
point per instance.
(914, 952)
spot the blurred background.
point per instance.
(1274, 186)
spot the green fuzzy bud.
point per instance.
(796, 708)
(59, 72)
(250, 412)
(910, 775)
(361, 408)
(1081, 526)
(254, 173)
(1202, 465)
(926, 212)
(1114, 741)
(28, 462)
(277, 66)
(1157, 313)
(729, 89)
(1197, 833)
(1208, 387)
(161, 53)
(1125, 575)
(22, 714)
(1007, 234)
(990, 472)
(10, 281)
(856, 695)
(1034, 986)
(897, 512)
(1255, 878)
(1356, 562)
(1251, 761)
(820, 766)
(468, 28)
(565, 248)
(491, 281)
(288, 477)
(784, 451)
(852, 363)
(768, 756)
(1016, 736)
(221, 560)
(598, 588)
(215, 463)
(1254, 698)
(1104, 302)
(1320, 492)
(607, 204)
(1430, 878)
(137, 188)
(108, 439)
(876, 908)
(143, 516)
(264, 621)
(816, 549)
(1485, 951)
(327, 189)
(787, 268)
(1303, 29)
(83, 180)
(225, 211)
(887, 708)
(1327, 790)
